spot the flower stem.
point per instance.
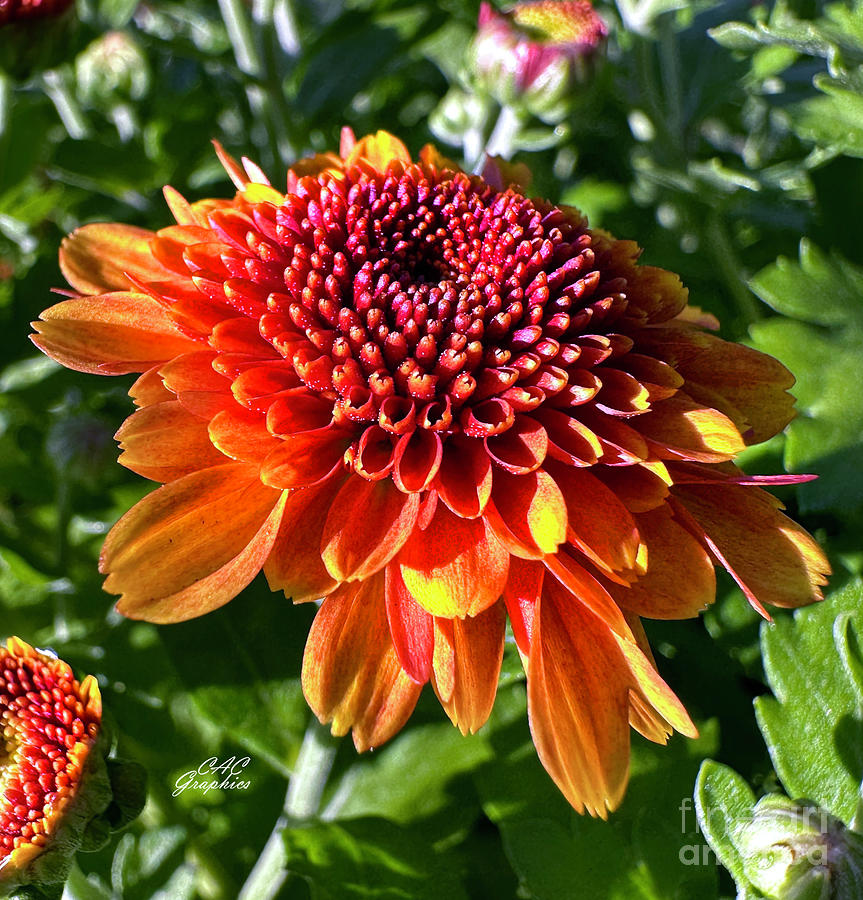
(239, 29)
(725, 257)
(302, 801)
(57, 88)
(5, 101)
(214, 881)
(503, 135)
(669, 64)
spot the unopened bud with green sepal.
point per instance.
(535, 57)
(794, 850)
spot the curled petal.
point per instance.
(465, 478)
(192, 545)
(110, 334)
(305, 458)
(467, 659)
(351, 675)
(521, 448)
(771, 557)
(456, 567)
(417, 459)
(294, 564)
(349, 548)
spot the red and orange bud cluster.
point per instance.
(50, 725)
(537, 54)
(25, 10)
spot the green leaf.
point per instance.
(240, 665)
(814, 725)
(820, 290)
(151, 865)
(724, 801)
(596, 199)
(825, 290)
(371, 858)
(413, 777)
(645, 850)
(737, 36)
(834, 121)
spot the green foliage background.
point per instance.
(727, 139)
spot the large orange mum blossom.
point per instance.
(437, 404)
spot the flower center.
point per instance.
(421, 290)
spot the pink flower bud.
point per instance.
(536, 54)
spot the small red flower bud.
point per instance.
(536, 54)
(24, 10)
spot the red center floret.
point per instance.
(420, 299)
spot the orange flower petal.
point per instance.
(305, 458)
(199, 387)
(521, 448)
(639, 488)
(750, 387)
(352, 550)
(659, 294)
(680, 581)
(578, 702)
(520, 596)
(466, 665)
(242, 434)
(295, 565)
(650, 689)
(351, 675)
(378, 150)
(110, 334)
(149, 389)
(192, 545)
(771, 557)
(465, 478)
(164, 442)
(456, 567)
(621, 394)
(411, 628)
(588, 591)
(529, 513)
(569, 440)
(680, 428)
(94, 258)
(599, 525)
(417, 459)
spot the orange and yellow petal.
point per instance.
(110, 334)
(351, 674)
(192, 545)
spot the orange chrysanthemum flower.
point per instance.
(433, 402)
(50, 726)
